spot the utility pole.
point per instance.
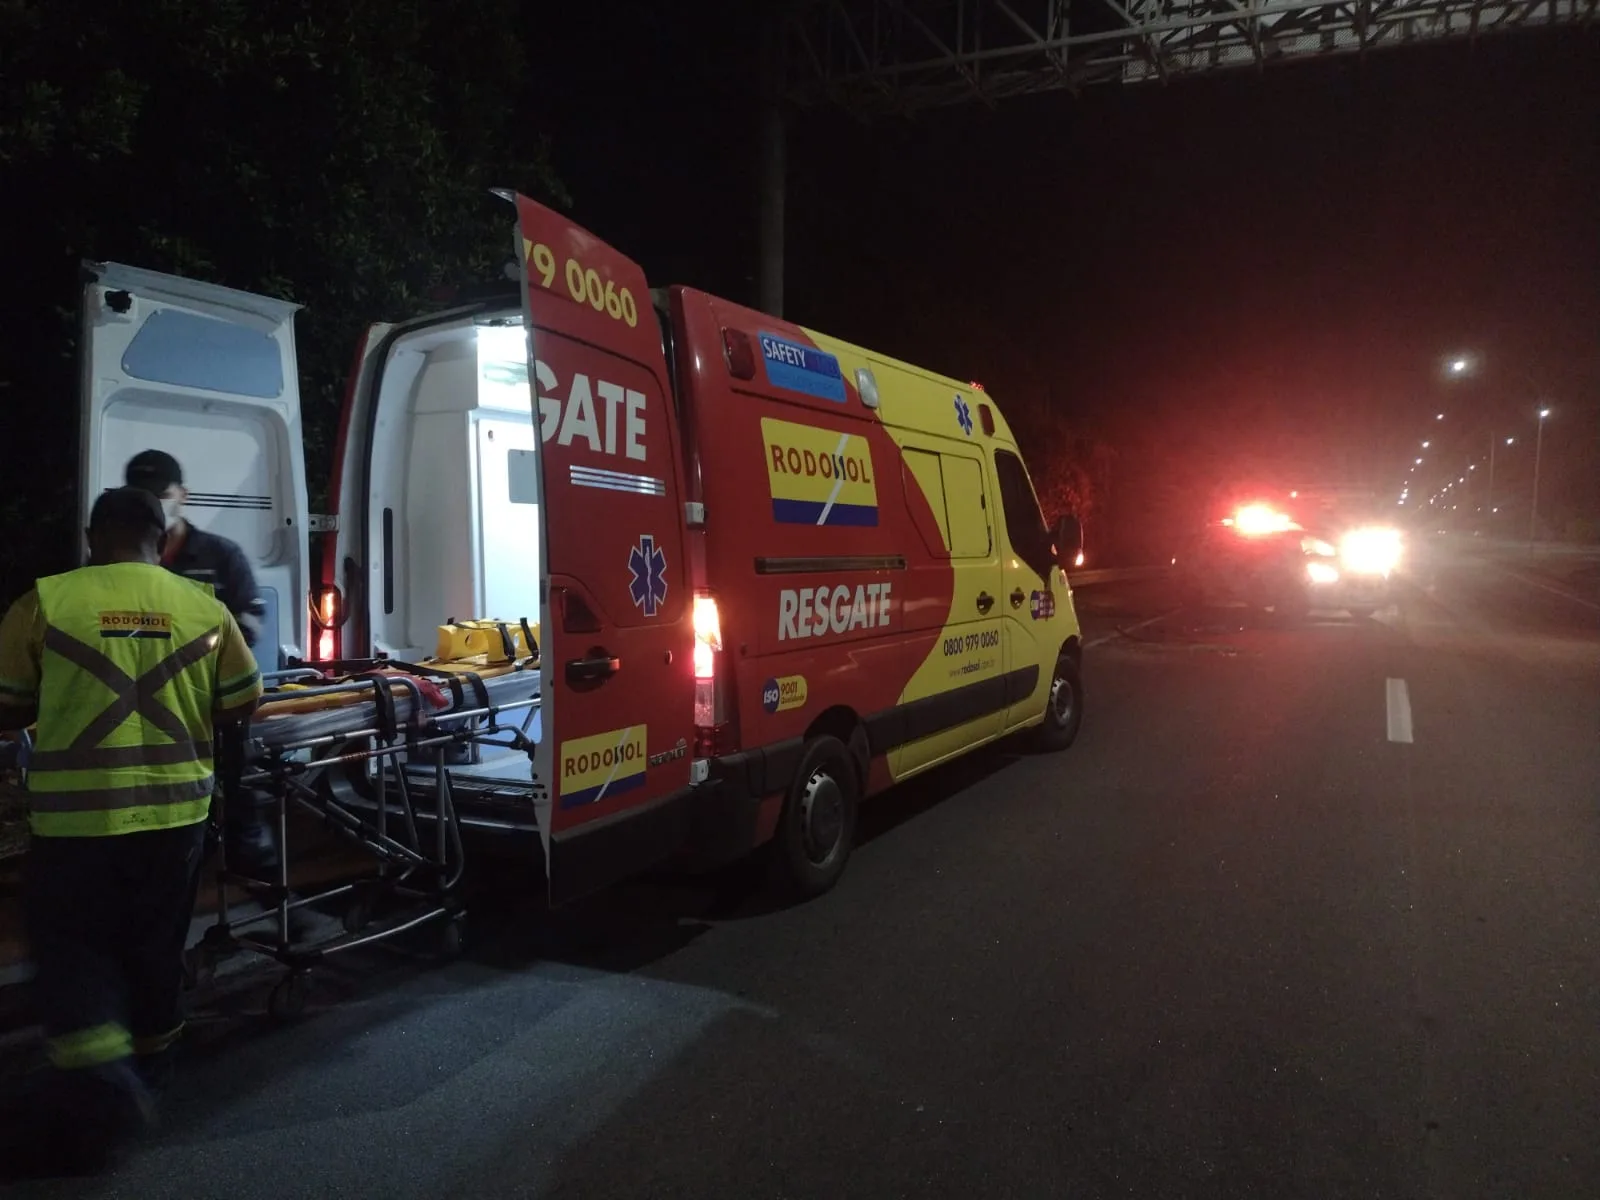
(773, 182)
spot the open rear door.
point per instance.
(207, 374)
(616, 612)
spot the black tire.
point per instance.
(199, 967)
(452, 937)
(358, 914)
(1063, 711)
(287, 1000)
(817, 830)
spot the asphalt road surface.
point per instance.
(1307, 911)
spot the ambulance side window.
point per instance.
(1024, 522)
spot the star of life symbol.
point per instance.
(649, 567)
(964, 416)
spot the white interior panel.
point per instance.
(508, 531)
(449, 417)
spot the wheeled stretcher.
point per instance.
(396, 728)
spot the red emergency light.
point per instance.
(1258, 520)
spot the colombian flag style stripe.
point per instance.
(819, 512)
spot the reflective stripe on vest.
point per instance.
(92, 1047)
(133, 696)
(89, 695)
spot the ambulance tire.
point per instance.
(1063, 712)
(817, 828)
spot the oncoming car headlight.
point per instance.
(1315, 545)
(1370, 551)
(1321, 572)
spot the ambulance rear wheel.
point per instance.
(818, 827)
(1063, 712)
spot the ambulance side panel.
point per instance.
(209, 375)
(856, 559)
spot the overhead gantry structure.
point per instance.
(877, 58)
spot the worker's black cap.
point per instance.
(129, 510)
(153, 470)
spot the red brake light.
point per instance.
(1254, 520)
(712, 733)
(327, 615)
(707, 638)
(741, 356)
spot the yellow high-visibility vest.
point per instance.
(128, 681)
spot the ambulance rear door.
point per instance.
(616, 628)
(207, 374)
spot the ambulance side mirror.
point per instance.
(1068, 538)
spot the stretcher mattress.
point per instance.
(286, 718)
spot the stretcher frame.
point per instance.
(425, 874)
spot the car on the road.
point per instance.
(1261, 556)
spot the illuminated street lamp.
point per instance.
(1424, 446)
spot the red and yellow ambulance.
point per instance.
(772, 573)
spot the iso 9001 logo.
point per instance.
(783, 694)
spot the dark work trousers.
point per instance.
(249, 815)
(108, 919)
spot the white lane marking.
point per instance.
(1547, 587)
(1399, 710)
(1116, 633)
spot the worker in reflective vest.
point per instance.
(127, 668)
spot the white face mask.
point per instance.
(171, 509)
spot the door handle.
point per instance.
(1018, 598)
(596, 669)
(985, 602)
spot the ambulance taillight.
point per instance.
(325, 621)
(709, 707)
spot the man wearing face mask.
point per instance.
(207, 558)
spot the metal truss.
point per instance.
(876, 57)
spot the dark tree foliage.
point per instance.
(1070, 468)
(337, 155)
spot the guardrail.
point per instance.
(1079, 579)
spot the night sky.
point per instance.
(1237, 275)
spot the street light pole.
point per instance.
(1491, 477)
(1538, 449)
